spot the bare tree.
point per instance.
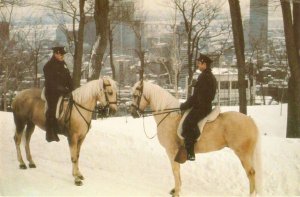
(256, 53)
(237, 29)
(197, 15)
(137, 27)
(32, 39)
(120, 13)
(101, 12)
(9, 61)
(175, 55)
(111, 56)
(292, 31)
(76, 11)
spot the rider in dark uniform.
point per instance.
(200, 102)
(58, 82)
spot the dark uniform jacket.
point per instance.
(58, 80)
(204, 92)
(200, 102)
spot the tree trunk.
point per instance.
(190, 65)
(79, 47)
(101, 22)
(237, 29)
(5, 90)
(113, 70)
(291, 37)
(296, 16)
(35, 69)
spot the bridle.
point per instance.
(103, 111)
(140, 88)
(140, 113)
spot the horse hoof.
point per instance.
(81, 177)
(32, 165)
(22, 166)
(172, 192)
(78, 182)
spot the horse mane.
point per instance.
(160, 98)
(91, 89)
(88, 90)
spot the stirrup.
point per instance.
(191, 157)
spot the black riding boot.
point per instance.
(189, 146)
(51, 130)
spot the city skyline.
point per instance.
(150, 7)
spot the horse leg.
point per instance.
(78, 154)
(247, 162)
(73, 145)
(29, 131)
(17, 138)
(176, 173)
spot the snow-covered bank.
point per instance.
(118, 160)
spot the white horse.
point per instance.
(231, 129)
(29, 108)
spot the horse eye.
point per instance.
(110, 93)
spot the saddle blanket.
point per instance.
(57, 113)
(209, 118)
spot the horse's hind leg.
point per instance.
(20, 125)
(29, 131)
(247, 162)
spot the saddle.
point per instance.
(209, 118)
(58, 111)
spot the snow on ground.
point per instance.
(117, 159)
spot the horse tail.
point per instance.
(257, 164)
(20, 124)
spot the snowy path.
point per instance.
(117, 159)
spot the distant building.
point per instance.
(227, 89)
(89, 30)
(258, 24)
(64, 32)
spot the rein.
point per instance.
(144, 114)
(104, 110)
(159, 112)
(166, 111)
(68, 111)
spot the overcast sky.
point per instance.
(153, 6)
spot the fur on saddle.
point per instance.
(209, 118)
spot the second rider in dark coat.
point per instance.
(200, 102)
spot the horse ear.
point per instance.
(105, 80)
(141, 83)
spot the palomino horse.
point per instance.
(231, 129)
(29, 110)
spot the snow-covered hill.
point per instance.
(117, 159)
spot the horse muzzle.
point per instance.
(112, 110)
(135, 112)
